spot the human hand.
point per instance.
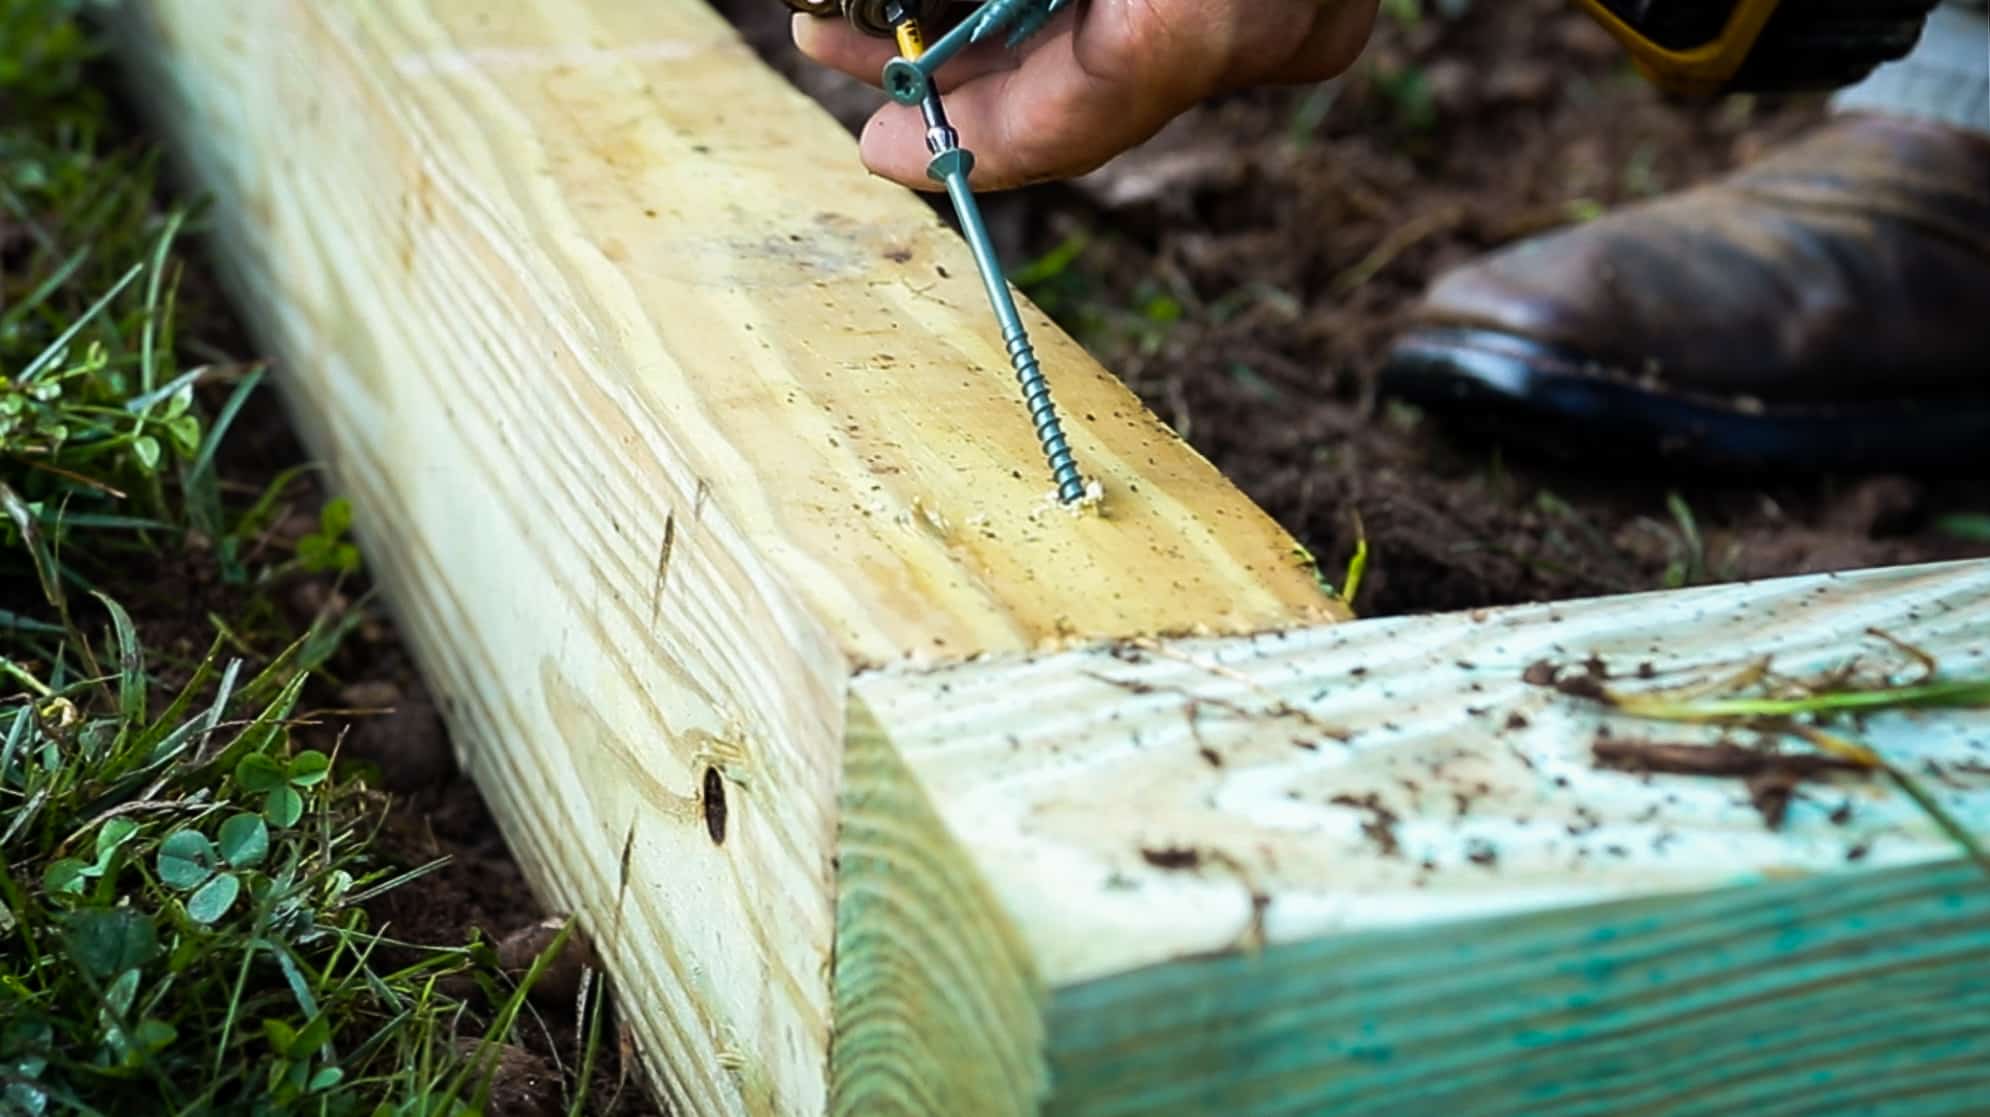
(1101, 77)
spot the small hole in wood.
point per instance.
(715, 806)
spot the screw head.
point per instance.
(946, 164)
(905, 82)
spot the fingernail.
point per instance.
(801, 27)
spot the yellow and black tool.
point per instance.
(1702, 47)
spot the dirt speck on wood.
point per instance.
(1770, 777)
(1379, 825)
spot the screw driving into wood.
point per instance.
(950, 166)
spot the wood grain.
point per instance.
(939, 1008)
(689, 459)
(1243, 866)
(659, 415)
(653, 244)
(1827, 995)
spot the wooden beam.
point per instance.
(662, 419)
(1372, 869)
(690, 461)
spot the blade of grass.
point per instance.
(202, 491)
(16, 733)
(26, 522)
(592, 1007)
(1358, 564)
(131, 662)
(47, 571)
(102, 521)
(140, 404)
(354, 899)
(148, 334)
(1777, 715)
(1911, 787)
(17, 622)
(54, 350)
(1946, 693)
(19, 311)
(71, 475)
(507, 1016)
(203, 462)
(1974, 527)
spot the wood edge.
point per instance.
(1704, 1003)
(936, 1006)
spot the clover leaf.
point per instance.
(281, 784)
(186, 859)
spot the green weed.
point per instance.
(326, 550)
(1691, 563)
(161, 924)
(185, 925)
(1061, 284)
(1407, 92)
(1968, 526)
(1689, 566)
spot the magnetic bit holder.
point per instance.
(950, 166)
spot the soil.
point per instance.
(1245, 271)
(1244, 274)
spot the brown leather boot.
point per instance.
(1825, 308)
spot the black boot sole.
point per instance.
(1565, 406)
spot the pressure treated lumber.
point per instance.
(662, 418)
(1371, 869)
(706, 504)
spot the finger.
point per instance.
(1328, 49)
(893, 146)
(1046, 119)
(833, 43)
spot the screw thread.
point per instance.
(1031, 22)
(950, 165)
(1043, 416)
(993, 16)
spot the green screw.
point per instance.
(950, 166)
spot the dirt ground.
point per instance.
(1244, 274)
(1246, 270)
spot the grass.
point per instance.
(1969, 526)
(1816, 711)
(1065, 285)
(184, 913)
(185, 925)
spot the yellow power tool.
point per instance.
(1701, 47)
